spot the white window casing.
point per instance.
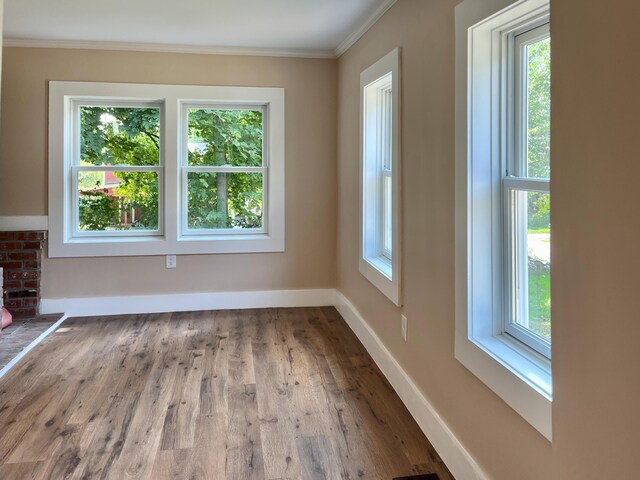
(172, 236)
(379, 232)
(520, 375)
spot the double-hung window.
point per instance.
(526, 189)
(503, 235)
(163, 169)
(379, 175)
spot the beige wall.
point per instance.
(310, 97)
(596, 419)
(500, 440)
(596, 250)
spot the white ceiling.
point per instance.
(287, 27)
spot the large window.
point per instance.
(503, 223)
(379, 176)
(157, 169)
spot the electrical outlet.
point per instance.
(404, 322)
(171, 261)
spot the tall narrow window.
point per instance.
(503, 200)
(526, 187)
(380, 181)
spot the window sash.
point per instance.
(516, 264)
(74, 168)
(519, 41)
(516, 179)
(185, 169)
(184, 223)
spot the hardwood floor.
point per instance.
(251, 394)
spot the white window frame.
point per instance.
(380, 160)
(518, 374)
(170, 238)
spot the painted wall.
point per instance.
(595, 248)
(310, 97)
(596, 218)
(504, 444)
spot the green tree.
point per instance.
(225, 138)
(113, 136)
(539, 128)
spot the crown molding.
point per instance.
(359, 32)
(205, 49)
(166, 48)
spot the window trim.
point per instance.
(515, 372)
(62, 243)
(382, 268)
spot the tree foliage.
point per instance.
(112, 136)
(539, 128)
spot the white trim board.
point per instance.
(93, 306)
(166, 48)
(348, 42)
(24, 223)
(452, 452)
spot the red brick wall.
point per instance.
(21, 259)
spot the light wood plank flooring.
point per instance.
(251, 394)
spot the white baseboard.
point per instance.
(91, 306)
(452, 452)
(23, 223)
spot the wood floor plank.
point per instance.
(270, 394)
(184, 405)
(316, 458)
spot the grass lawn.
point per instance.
(540, 301)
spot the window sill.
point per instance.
(149, 245)
(516, 374)
(379, 271)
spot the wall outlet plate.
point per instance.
(404, 326)
(171, 261)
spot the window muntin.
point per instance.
(117, 169)
(526, 186)
(224, 170)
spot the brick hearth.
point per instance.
(21, 259)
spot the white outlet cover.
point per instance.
(404, 327)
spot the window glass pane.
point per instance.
(538, 65)
(224, 200)
(110, 201)
(225, 137)
(387, 215)
(119, 136)
(533, 262)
